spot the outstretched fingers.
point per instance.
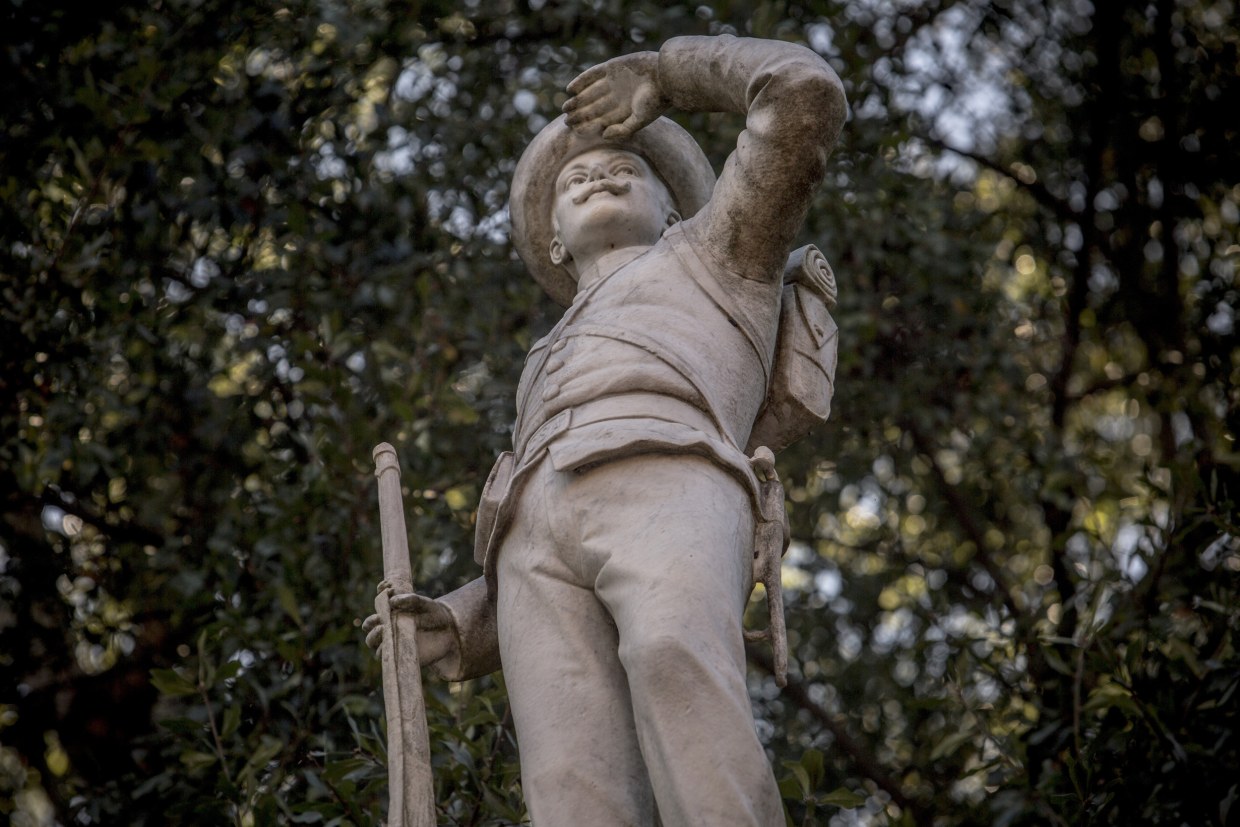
(602, 115)
(589, 76)
(587, 96)
(598, 105)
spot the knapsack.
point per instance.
(803, 372)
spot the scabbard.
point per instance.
(770, 541)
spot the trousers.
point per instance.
(620, 598)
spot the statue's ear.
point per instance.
(559, 253)
(673, 218)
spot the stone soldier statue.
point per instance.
(617, 538)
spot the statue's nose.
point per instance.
(597, 172)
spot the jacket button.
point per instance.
(559, 345)
(551, 391)
(554, 365)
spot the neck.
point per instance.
(604, 264)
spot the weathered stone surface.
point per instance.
(622, 535)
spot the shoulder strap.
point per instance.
(702, 276)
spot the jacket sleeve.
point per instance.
(794, 106)
(477, 638)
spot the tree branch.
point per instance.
(964, 517)
(1037, 189)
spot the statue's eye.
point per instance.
(625, 169)
(574, 179)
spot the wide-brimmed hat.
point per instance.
(671, 151)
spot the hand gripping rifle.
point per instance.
(411, 792)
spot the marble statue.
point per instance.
(621, 537)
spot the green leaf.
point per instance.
(950, 744)
(790, 789)
(171, 682)
(196, 761)
(842, 798)
(288, 602)
(227, 671)
(269, 747)
(815, 766)
(802, 778)
(232, 720)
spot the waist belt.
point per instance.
(621, 406)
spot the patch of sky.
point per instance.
(401, 154)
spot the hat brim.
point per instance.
(671, 151)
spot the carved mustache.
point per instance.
(602, 185)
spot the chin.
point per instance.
(615, 217)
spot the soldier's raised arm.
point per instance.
(793, 104)
(794, 107)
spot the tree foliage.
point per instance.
(243, 243)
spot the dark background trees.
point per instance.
(243, 243)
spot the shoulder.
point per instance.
(690, 240)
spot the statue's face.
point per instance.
(609, 198)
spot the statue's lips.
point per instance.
(609, 187)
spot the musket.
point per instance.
(411, 790)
